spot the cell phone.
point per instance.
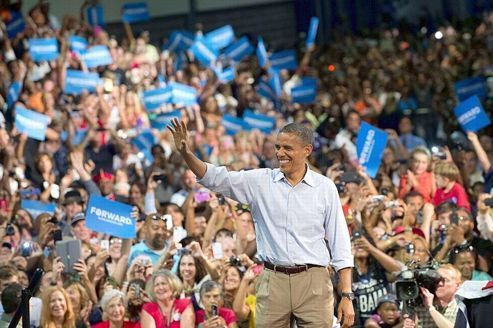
(454, 218)
(220, 199)
(356, 234)
(377, 198)
(69, 252)
(159, 177)
(202, 196)
(257, 269)
(26, 249)
(136, 290)
(214, 310)
(217, 251)
(105, 245)
(57, 235)
(169, 221)
(488, 202)
(178, 234)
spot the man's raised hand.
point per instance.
(180, 134)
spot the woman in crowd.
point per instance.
(114, 311)
(166, 309)
(57, 309)
(230, 279)
(418, 177)
(192, 273)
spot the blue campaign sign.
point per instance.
(370, 145)
(258, 121)
(96, 56)
(475, 86)
(145, 140)
(179, 40)
(471, 115)
(285, 59)
(31, 123)
(312, 32)
(16, 24)
(221, 37)
(77, 43)
(233, 124)
(239, 50)
(265, 90)
(43, 49)
(225, 75)
(161, 121)
(204, 52)
(183, 94)
(79, 137)
(95, 16)
(13, 93)
(135, 12)
(35, 207)
(110, 217)
(153, 99)
(261, 52)
(306, 92)
(77, 81)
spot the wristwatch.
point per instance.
(349, 295)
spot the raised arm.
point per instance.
(482, 156)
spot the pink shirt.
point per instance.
(457, 195)
(161, 319)
(227, 314)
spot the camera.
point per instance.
(234, 260)
(9, 230)
(220, 199)
(407, 286)
(488, 202)
(356, 234)
(159, 178)
(214, 310)
(183, 251)
(26, 249)
(341, 187)
(454, 218)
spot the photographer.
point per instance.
(484, 218)
(442, 306)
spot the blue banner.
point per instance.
(145, 140)
(16, 24)
(14, 93)
(225, 76)
(239, 50)
(261, 53)
(110, 217)
(35, 207)
(285, 59)
(306, 92)
(261, 122)
(43, 49)
(182, 94)
(312, 32)
(77, 43)
(79, 136)
(370, 144)
(153, 99)
(233, 124)
(96, 56)
(204, 52)
(474, 86)
(77, 81)
(179, 41)
(135, 12)
(471, 115)
(161, 121)
(221, 37)
(265, 90)
(95, 16)
(31, 123)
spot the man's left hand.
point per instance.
(345, 313)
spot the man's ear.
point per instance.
(308, 150)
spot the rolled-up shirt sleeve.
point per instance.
(232, 184)
(337, 233)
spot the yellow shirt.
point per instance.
(251, 301)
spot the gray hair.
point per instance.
(109, 295)
(209, 285)
(301, 131)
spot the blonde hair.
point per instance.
(47, 321)
(448, 170)
(451, 268)
(171, 279)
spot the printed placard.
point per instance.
(31, 123)
(110, 217)
(43, 49)
(370, 145)
(77, 81)
(35, 207)
(471, 115)
(135, 12)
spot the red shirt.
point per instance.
(426, 184)
(457, 195)
(227, 314)
(126, 324)
(161, 319)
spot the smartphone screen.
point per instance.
(105, 245)
(217, 251)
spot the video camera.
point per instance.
(409, 281)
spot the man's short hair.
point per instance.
(211, 285)
(7, 271)
(448, 170)
(452, 268)
(444, 207)
(11, 297)
(301, 131)
(412, 193)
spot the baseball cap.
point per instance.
(77, 217)
(388, 298)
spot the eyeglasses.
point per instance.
(462, 248)
(156, 217)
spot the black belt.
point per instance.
(290, 269)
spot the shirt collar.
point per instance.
(308, 178)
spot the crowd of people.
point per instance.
(193, 262)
